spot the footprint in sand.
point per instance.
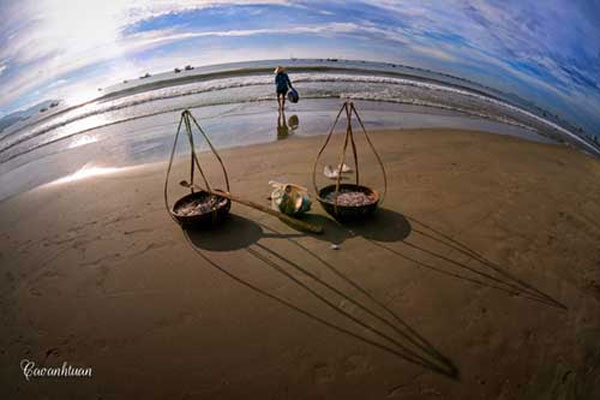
(356, 364)
(35, 291)
(323, 373)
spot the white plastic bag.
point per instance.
(331, 173)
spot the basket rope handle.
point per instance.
(385, 185)
(191, 140)
(353, 147)
(342, 159)
(188, 127)
(314, 172)
(213, 150)
(169, 170)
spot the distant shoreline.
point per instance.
(500, 108)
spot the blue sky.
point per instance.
(545, 51)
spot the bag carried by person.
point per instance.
(293, 95)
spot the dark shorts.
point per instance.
(282, 91)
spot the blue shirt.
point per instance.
(282, 81)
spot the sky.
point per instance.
(547, 51)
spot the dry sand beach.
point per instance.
(478, 279)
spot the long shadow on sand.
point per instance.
(387, 227)
(401, 236)
(393, 334)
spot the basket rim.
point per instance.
(348, 185)
(198, 194)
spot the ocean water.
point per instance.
(134, 122)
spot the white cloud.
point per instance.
(61, 28)
(56, 37)
(68, 60)
(433, 52)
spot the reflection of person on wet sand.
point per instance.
(293, 122)
(284, 129)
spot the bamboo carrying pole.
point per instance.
(286, 218)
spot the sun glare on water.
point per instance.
(88, 171)
(83, 140)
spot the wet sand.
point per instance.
(478, 279)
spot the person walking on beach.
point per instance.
(283, 84)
